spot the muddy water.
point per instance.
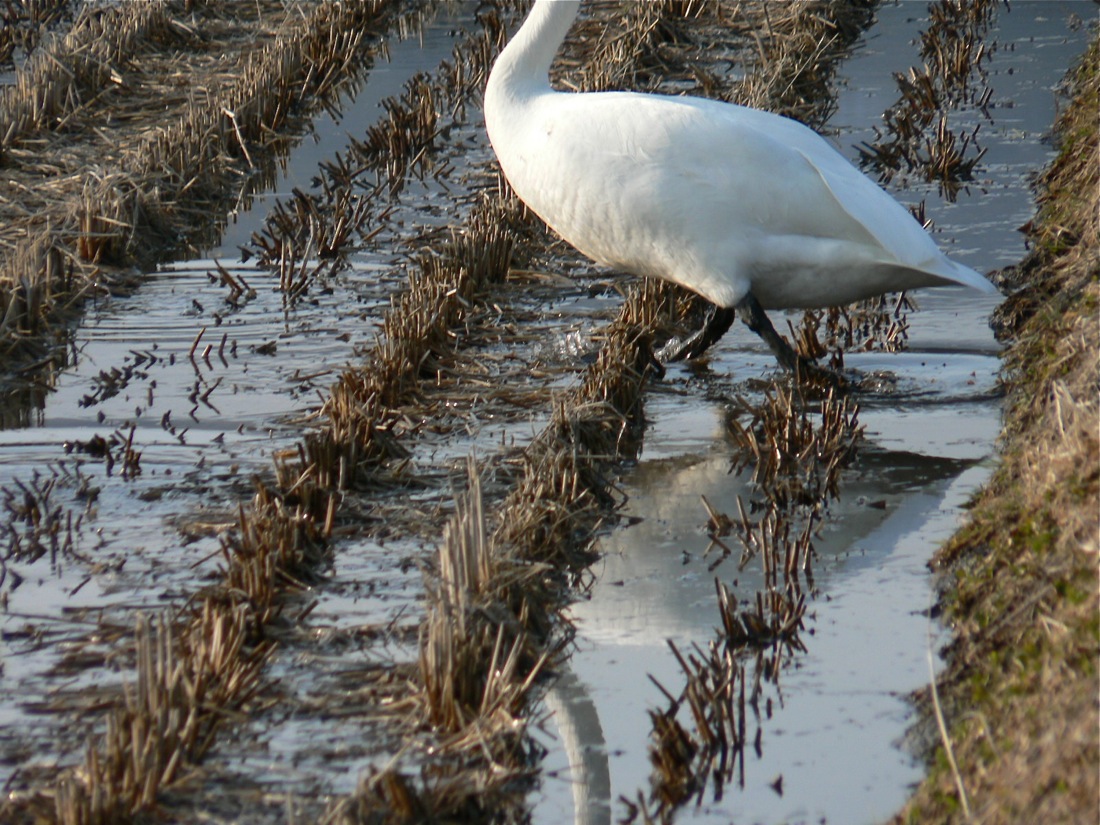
(205, 420)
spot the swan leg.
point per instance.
(718, 321)
(758, 321)
(646, 360)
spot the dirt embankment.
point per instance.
(1020, 694)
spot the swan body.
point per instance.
(731, 202)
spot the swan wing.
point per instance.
(716, 197)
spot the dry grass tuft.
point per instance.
(623, 45)
(34, 525)
(185, 684)
(710, 753)
(110, 190)
(797, 47)
(57, 80)
(41, 279)
(683, 762)
(477, 663)
(877, 323)
(24, 23)
(277, 545)
(310, 238)
(794, 462)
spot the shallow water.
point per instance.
(835, 734)
(927, 444)
(204, 421)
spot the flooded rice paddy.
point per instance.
(142, 449)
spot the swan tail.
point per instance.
(964, 275)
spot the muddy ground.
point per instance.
(462, 699)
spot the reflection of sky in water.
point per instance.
(834, 734)
(840, 709)
(1034, 48)
(197, 462)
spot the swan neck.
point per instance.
(525, 62)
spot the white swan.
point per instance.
(744, 207)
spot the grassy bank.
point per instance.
(1020, 693)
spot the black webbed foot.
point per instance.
(716, 325)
